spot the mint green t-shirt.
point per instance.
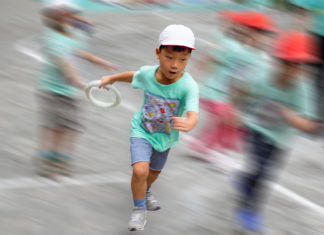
(57, 46)
(263, 116)
(237, 64)
(161, 102)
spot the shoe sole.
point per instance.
(137, 229)
(154, 209)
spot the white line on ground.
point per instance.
(31, 53)
(36, 183)
(297, 198)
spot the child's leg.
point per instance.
(58, 138)
(157, 162)
(64, 140)
(153, 175)
(47, 117)
(45, 157)
(45, 138)
(265, 158)
(141, 152)
(139, 180)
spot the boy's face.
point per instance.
(289, 72)
(261, 39)
(172, 63)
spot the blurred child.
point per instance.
(238, 60)
(169, 91)
(220, 57)
(59, 88)
(278, 102)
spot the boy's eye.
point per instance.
(183, 60)
(169, 57)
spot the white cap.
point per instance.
(63, 4)
(177, 35)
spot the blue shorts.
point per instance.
(142, 151)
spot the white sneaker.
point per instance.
(138, 219)
(151, 203)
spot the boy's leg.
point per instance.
(63, 149)
(45, 138)
(67, 128)
(139, 179)
(46, 119)
(264, 162)
(153, 175)
(141, 152)
(45, 158)
(157, 162)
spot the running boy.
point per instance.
(168, 92)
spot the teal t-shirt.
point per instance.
(161, 102)
(237, 64)
(263, 116)
(57, 46)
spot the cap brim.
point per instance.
(302, 58)
(60, 5)
(177, 44)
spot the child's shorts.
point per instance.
(142, 151)
(59, 111)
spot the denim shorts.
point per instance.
(142, 151)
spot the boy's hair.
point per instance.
(288, 62)
(176, 48)
(263, 31)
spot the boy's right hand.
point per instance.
(105, 80)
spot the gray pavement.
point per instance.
(195, 199)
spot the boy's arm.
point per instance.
(96, 60)
(120, 77)
(299, 122)
(185, 124)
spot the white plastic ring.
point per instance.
(100, 103)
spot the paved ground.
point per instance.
(195, 199)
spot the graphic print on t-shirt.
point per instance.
(157, 113)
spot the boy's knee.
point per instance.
(141, 170)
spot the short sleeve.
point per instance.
(56, 48)
(306, 96)
(192, 98)
(140, 76)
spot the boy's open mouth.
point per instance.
(172, 73)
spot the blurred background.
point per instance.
(195, 193)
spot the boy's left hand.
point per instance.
(182, 124)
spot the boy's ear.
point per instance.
(157, 53)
